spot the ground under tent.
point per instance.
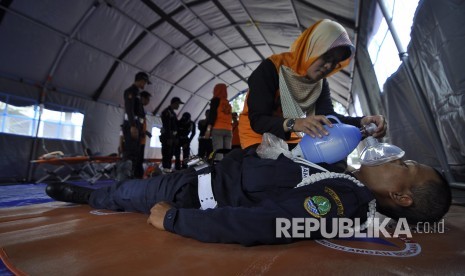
(56, 238)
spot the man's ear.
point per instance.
(401, 199)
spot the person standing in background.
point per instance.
(186, 132)
(139, 170)
(236, 141)
(205, 144)
(168, 133)
(133, 120)
(219, 122)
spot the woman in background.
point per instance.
(219, 120)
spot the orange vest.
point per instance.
(247, 136)
(223, 116)
(224, 111)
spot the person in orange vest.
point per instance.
(219, 120)
(236, 142)
(288, 92)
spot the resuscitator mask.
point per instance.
(376, 153)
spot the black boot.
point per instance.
(68, 192)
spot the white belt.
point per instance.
(204, 189)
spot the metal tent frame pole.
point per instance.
(424, 106)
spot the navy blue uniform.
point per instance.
(186, 132)
(168, 137)
(251, 193)
(134, 115)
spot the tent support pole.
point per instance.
(426, 111)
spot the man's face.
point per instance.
(141, 84)
(397, 175)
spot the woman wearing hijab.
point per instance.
(219, 120)
(288, 92)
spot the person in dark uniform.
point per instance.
(247, 194)
(186, 132)
(168, 133)
(133, 121)
(145, 100)
(205, 144)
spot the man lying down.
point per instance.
(250, 200)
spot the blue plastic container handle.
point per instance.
(340, 142)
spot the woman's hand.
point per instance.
(313, 125)
(379, 121)
(157, 214)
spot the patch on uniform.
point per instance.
(335, 197)
(305, 172)
(317, 206)
(130, 96)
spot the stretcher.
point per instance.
(88, 168)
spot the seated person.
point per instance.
(250, 193)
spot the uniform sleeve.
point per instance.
(165, 119)
(324, 106)
(129, 102)
(258, 225)
(167, 123)
(202, 126)
(263, 86)
(247, 226)
(193, 131)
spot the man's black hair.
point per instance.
(431, 201)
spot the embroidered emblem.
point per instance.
(317, 206)
(340, 207)
(305, 172)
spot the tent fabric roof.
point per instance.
(93, 49)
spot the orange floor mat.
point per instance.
(64, 239)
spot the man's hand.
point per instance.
(157, 214)
(379, 121)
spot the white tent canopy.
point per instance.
(83, 54)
